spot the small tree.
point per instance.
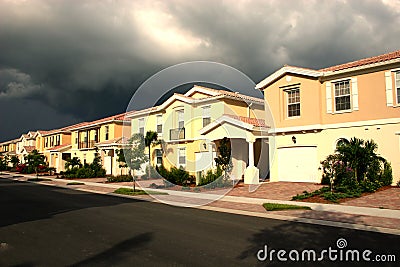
(149, 140)
(14, 161)
(34, 160)
(223, 160)
(121, 159)
(134, 154)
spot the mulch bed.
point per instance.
(319, 199)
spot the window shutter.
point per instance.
(328, 97)
(389, 92)
(354, 93)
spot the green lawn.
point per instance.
(275, 206)
(76, 183)
(129, 191)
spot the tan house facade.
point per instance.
(313, 110)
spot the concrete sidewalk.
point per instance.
(354, 217)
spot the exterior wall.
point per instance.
(371, 99)
(310, 101)
(240, 108)
(325, 141)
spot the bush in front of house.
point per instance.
(119, 178)
(175, 176)
(92, 170)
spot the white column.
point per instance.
(251, 154)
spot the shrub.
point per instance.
(387, 174)
(119, 178)
(175, 175)
(210, 176)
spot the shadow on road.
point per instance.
(118, 253)
(23, 202)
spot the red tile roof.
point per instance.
(252, 121)
(365, 61)
(232, 94)
(59, 147)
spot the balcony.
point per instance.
(89, 144)
(177, 134)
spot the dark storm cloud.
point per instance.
(83, 60)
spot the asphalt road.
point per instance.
(49, 226)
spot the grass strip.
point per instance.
(276, 206)
(76, 183)
(129, 191)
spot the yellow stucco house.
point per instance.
(313, 110)
(191, 126)
(105, 135)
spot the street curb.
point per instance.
(231, 211)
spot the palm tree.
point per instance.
(360, 155)
(151, 138)
(75, 161)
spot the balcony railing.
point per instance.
(88, 144)
(177, 134)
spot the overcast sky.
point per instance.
(62, 62)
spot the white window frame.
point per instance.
(141, 126)
(180, 115)
(107, 134)
(206, 112)
(334, 83)
(159, 122)
(397, 86)
(288, 92)
(180, 151)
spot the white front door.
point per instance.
(108, 164)
(298, 164)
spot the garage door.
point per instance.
(298, 164)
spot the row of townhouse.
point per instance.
(80, 140)
(305, 113)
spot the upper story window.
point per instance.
(342, 95)
(141, 126)
(76, 137)
(206, 115)
(96, 135)
(159, 124)
(397, 74)
(181, 118)
(107, 132)
(293, 100)
(58, 140)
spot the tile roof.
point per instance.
(119, 117)
(365, 61)
(231, 94)
(59, 147)
(253, 121)
(118, 140)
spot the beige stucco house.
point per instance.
(314, 109)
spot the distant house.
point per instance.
(314, 110)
